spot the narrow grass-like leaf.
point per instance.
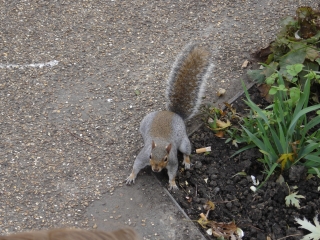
(265, 138)
(308, 149)
(279, 142)
(282, 134)
(271, 170)
(254, 139)
(243, 149)
(304, 98)
(299, 115)
(312, 123)
(253, 106)
(305, 129)
(258, 110)
(313, 160)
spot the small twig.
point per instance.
(227, 213)
(249, 225)
(289, 236)
(256, 228)
(183, 189)
(196, 191)
(82, 140)
(196, 129)
(228, 201)
(207, 214)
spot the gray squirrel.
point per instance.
(164, 132)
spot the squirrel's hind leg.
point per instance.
(185, 148)
(141, 161)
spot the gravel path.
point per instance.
(76, 78)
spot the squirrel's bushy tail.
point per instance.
(187, 79)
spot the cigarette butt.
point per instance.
(202, 150)
(203, 216)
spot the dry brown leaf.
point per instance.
(264, 92)
(209, 206)
(245, 64)
(221, 124)
(223, 113)
(221, 229)
(232, 109)
(220, 134)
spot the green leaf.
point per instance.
(243, 149)
(293, 70)
(279, 140)
(256, 141)
(256, 75)
(308, 67)
(270, 58)
(287, 21)
(273, 90)
(303, 101)
(300, 114)
(296, 55)
(312, 123)
(308, 149)
(294, 93)
(313, 160)
(272, 78)
(317, 171)
(270, 171)
(311, 75)
(282, 87)
(312, 53)
(270, 69)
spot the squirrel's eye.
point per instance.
(150, 156)
(165, 159)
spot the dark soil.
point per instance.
(259, 214)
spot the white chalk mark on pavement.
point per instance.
(33, 65)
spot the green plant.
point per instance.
(281, 131)
(294, 91)
(295, 53)
(237, 136)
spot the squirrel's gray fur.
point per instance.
(196, 92)
(164, 132)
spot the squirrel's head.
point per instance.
(159, 156)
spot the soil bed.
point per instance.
(260, 214)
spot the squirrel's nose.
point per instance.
(156, 169)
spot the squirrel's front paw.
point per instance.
(186, 165)
(186, 162)
(130, 179)
(173, 185)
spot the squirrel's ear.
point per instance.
(153, 144)
(168, 148)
